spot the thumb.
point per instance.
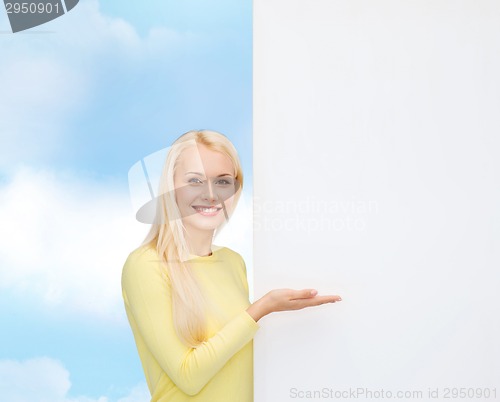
(304, 294)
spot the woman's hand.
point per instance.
(287, 299)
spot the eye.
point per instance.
(194, 180)
(224, 182)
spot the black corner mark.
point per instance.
(70, 4)
(25, 14)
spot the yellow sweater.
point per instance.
(220, 369)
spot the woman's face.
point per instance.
(204, 185)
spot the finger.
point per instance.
(313, 301)
(303, 294)
(330, 299)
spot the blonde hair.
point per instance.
(167, 236)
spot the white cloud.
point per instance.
(45, 379)
(47, 78)
(64, 240)
(40, 379)
(140, 393)
(87, 30)
(38, 94)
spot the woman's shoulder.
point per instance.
(144, 253)
(231, 256)
(139, 259)
(226, 251)
(236, 263)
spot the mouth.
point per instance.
(206, 211)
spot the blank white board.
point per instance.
(377, 177)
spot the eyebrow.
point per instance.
(201, 174)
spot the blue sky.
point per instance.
(82, 100)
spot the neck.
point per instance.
(200, 242)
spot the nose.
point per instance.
(209, 193)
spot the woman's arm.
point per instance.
(148, 302)
(283, 299)
(287, 299)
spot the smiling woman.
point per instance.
(205, 182)
(186, 299)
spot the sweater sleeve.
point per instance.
(243, 275)
(147, 297)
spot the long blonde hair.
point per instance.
(167, 236)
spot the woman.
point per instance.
(186, 299)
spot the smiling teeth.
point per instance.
(207, 209)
